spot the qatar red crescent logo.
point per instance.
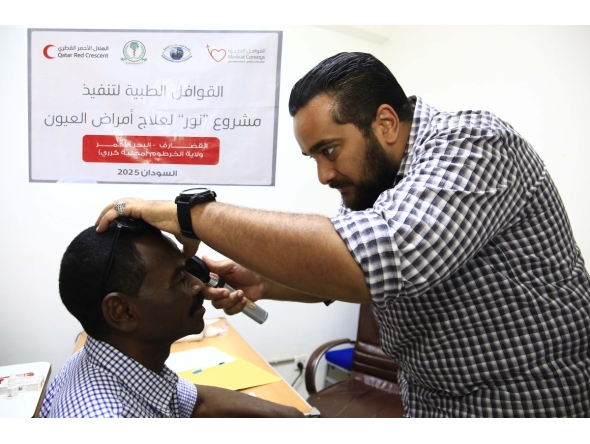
(45, 53)
(217, 54)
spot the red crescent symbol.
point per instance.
(45, 51)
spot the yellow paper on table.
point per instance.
(235, 375)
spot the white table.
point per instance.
(26, 404)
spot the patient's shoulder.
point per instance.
(81, 389)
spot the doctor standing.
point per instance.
(450, 226)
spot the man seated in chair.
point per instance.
(129, 289)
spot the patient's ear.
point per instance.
(118, 311)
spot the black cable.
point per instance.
(300, 367)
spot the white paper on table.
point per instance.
(198, 358)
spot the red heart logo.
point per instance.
(218, 54)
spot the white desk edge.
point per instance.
(25, 404)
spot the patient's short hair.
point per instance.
(83, 267)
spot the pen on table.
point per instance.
(200, 369)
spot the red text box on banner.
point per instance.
(150, 149)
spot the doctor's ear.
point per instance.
(119, 312)
(386, 124)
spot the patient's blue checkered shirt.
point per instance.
(101, 382)
(478, 285)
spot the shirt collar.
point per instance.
(423, 114)
(155, 390)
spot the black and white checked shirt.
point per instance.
(101, 382)
(478, 285)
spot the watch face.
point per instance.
(193, 191)
(196, 195)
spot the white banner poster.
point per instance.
(175, 107)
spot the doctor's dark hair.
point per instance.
(82, 270)
(358, 83)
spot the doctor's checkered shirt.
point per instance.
(101, 382)
(478, 286)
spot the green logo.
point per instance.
(134, 52)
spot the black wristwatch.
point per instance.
(185, 201)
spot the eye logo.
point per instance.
(177, 53)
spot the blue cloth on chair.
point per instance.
(342, 358)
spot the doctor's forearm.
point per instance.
(279, 292)
(300, 252)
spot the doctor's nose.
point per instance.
(325, 173)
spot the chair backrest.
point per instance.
(369, 363)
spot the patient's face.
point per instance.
(170, 306)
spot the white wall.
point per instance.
(534, 77)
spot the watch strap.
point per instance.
(184, 202)
(183, 210)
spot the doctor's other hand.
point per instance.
(249, 284)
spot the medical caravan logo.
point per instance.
(177, 53)
(238, 55)
(216, 54)
(134, 52)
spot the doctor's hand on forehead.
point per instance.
(161, 214)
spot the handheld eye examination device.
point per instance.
(199, 269)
